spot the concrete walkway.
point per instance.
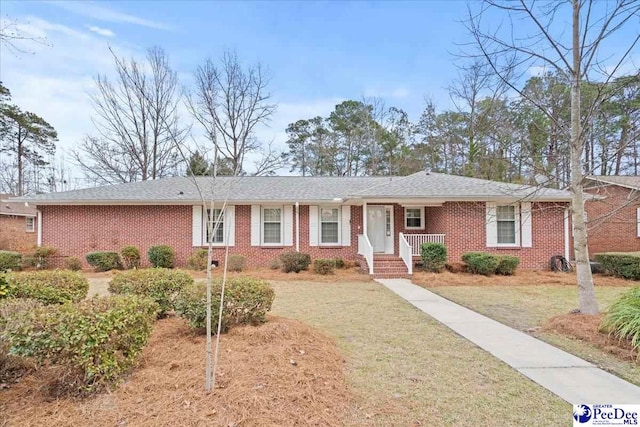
(573, 379)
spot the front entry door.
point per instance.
(376, 223)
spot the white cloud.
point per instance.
(394, 93)
(102, 31)
(537, 70)
(101, 13)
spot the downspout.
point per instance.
(566, 234)
(297, 226)
(39, 225)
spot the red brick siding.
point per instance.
(613, 222)
(13, 234)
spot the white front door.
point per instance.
(379, 228)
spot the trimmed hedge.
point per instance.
(621, 264)
(294, 262)
(13, 367)
(160, 284)
(481, 263)
(198, 260)
(39, 258)
(324, 266)
(73, 263)
(507, 265)
(622, 318)
(246, 301)
(49, 287)
(236, 263)
(130, 257)
(434, 257)
(94, 341)
(161, 256)
(104, 260)
(10, 260)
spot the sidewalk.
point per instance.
(573, 379)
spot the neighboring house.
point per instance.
(614, 215)
(18, 225)
(380, 220)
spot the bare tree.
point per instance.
(230, 102)
(133, 115)
(532, 36)
(12, 36)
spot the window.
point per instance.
(414, 218)
(506, 223)
(329, 226)
(218, 233)
(30, 224)
(272, 226)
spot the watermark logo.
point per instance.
(605, 415)
(582, 413)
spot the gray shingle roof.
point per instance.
(15, 208)
(183, 190)
(630, 181)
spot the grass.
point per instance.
(407, 369)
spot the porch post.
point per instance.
(364, 218)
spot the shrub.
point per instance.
(13, 310)
(130, 257)
(4, 287)
(507, 265)
(104, 260)
(161, 256)
(39, 258)
(236, 263)
(481, 262)
(198, 260)
(246, 301)
(10, 260)
(94, 341)
(275, 264)
(159, 284)
(295, 261)
(73, 263)
(621, 264)
(339, 262)
(622, 318)
(434, 256)
(49, 287)
(323, 266)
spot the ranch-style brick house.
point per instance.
(614, 214)
(17, 225)
(379, 221)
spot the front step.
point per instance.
(389, 267)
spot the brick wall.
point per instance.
(13, 234)
(612, 223)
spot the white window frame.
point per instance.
(205, 227)
(339, 222)
(406, 217)
(262, 209)
(32, 228)
(516, 226)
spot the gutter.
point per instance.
(297, 226)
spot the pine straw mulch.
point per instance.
(521, 278)
(586, 327)
(280, 373)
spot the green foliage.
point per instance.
(621, 264)
(481, 262)
(104, 260)
(198, 260)
(246, 301)
(130, 257)
(95, 341)
(49, 287)
(622, 318)
(339, 262)
(10, 260)
(507, 265)
(236, 263)
(434, 256)
(12, 310)
(294, 262)
(275, 264)
(4, 287)
(39, 258)
(324, 266)
(161, 256)
(73, 263)
(160, 284)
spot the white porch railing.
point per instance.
(416, 241)
(366, 250)
(406, 253)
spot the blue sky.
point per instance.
(317, 53)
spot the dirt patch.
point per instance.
(280, 373)
(586, 327)
(521, 278)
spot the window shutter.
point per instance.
(492, 225)
(638, 218)
(313, 226)
(196, 226)
(525, 219)
(230, 225)
(255, 225)
(346, 225)
(287, 223)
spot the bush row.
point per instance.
(48, 287)
(488, 264)
(161, 256)
(622, 264)
(39, 258)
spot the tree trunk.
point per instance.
(586, 293)
(20, 189)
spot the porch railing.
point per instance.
(406, 253)
(366, 250)
(416, 241)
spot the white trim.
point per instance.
(230, 225)
(297, 226)
(638, 219)
(205, 219)
(526, 220)
(255, 225)
(320, 242)
(492, 226)
(422, 223)
(18, 214)
(566, 234)
(346, 225)
(281, 242)
(39, 225)
(313, 225)
(287, 225)
(31, 229)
